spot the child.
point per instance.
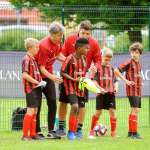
(106, 80)
(32, 82)
(73, 68)
(132, 68)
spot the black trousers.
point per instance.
(50, 94)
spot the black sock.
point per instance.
(61, 125)
(80, 125)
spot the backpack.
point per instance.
(17, 118)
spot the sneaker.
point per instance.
(53, 135)
(79, 134)
(136, 136)
(71, 135)
(26, 138)
(130, 134)
(61, 133)
(113, 134)
(41, 135)
(37, 137)
(91, 135)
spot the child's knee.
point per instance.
(98, 113)
(134, 111)
(31, 111)
(75, 109)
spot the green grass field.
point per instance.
(11, 140)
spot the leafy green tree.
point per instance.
(120, 16)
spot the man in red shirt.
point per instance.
(93, 55)
(49, 51)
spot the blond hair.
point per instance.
(107, 51)
(30, 42)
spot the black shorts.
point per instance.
(34, 98)
(65, 99)
(105, 101)
(135, 101)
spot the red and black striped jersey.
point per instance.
(106, 78)
(75, 68)
(132, 70)
(30, 66)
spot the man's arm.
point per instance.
(53, 77)
(61, 57)
(96, 57)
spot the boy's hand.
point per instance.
(57, 79)
(42, 84)
(115, 90)
(102, 91)
(129, 82)
(77, 79)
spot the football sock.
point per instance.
(33, 126)
(61, 125)
(94, 122)
(72, 123)
(133, 123)
(130, 123)
(26, 124)
(113, 122)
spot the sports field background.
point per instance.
(123, 109)
(115, 26)
(11, 140)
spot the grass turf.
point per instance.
(11, 140)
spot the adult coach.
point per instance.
(49, 51)
(93, 55)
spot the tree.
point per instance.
(120, 16)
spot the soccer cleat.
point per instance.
(91, 135)
(61, 133)
(71, 135)
(26, 138)
(41, 135)
(37, 137)
(130, 134)
(113, 134)
(79, 134)
(136, 136)
(53, 135)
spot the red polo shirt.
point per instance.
(93, 54)
(47, 53)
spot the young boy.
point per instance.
(132, 68)
(73, 68)
(32, 82)
(106, 80)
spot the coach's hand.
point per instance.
(57, 79)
